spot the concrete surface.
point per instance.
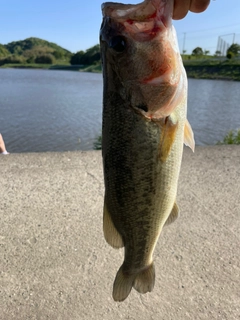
(55, 264)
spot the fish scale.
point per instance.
(142, 143)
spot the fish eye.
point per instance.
(118, 44)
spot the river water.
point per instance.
(46, 110)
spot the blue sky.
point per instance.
(74, 24)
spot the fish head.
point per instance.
(140, 56)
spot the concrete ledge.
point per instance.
(55, 264)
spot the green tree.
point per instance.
(218, 53)
(14, 59)
(234, 49)
(93, 54)
(230, 55)
(58, 54)
(76, 58)
(3, 51)
(45, 58)
(197, 51)
(37, 51)
(90, 56)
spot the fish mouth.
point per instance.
(144, 20)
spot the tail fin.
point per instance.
(143, 282)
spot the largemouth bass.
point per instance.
(144, 128)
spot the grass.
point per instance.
(26, 65)
(233, 137)
(213, 69)
(93, 68)
(98, 143)
(206, 67)
(60, 65)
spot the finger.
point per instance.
(181, 8)
(199, 5)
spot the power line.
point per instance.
(230, 25)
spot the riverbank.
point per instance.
(67, 67)
(56, 265)
(223, 70)
(197, 69)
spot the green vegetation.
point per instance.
(32, 66)
(34, 46)
(200, 65)
(233, 137)
(30, 51)
(93, 68)
(45, 58)
(13, 59)
(3, 51)
(98, 143)
(88, 57)
(38, 53)
(197, 52)
(233, 51)
(227, 69)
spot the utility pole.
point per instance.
(184, 39)
(218, 44)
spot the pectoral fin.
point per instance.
(189, 136)
(111, 234)
(167, 138)
(173, 215)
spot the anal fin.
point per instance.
(173, 215)
(111, 234)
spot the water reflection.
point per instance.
(213, 109)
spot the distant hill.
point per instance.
(19, 47)
(31, 48)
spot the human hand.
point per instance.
(181, 7)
